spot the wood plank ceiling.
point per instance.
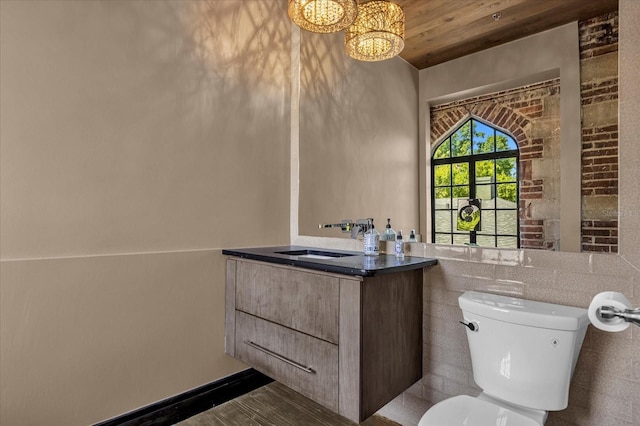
(441, 30)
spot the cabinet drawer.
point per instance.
(304, 363)
(304, 301)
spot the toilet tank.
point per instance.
(523, 351)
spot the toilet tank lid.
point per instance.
(524, 312)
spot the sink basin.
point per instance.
(315, 254)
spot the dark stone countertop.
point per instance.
(351, 263)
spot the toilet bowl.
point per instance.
(523, 354)
(469, 411)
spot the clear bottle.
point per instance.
(389, 234)
(412, 236)
(399, 249)
(372, 241)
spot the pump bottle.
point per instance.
(399, 248)
(372, 241)
(389, 234)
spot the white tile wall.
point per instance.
(606, 381)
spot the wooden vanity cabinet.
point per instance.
(350, 343)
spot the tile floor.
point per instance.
(277, 405)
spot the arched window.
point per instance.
(474, 178)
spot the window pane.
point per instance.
(507, 193)
(487, 203)
(483, 140)
(486, 241)
(507, 222)
(459, 192)
(442, 175)
(443, 151)
(443, 198)
(460, 173)
(487, 194)
(443, 239)
(443, 221)
(508, 242)
(507, 170)
(505, 142)
(461, 239)
(488, 222)
(461, 141)
(484, 171)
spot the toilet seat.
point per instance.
(464, 410)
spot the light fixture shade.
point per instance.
(323, 16)
(377, 33)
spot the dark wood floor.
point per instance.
(275, 405)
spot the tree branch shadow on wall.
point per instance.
(208, 56)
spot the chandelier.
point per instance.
(323, 16)
(374, 30)
(377, 33)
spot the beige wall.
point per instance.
(137, 138)
(357, 141)
(87, 338)
(124, 126)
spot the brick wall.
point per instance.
(531, 115)
(599, 98)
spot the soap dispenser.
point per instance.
(399, 246)
(389, 234)
(412, 236)
(372, 241)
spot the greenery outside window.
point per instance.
(476, 165)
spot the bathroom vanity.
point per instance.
(341, 328)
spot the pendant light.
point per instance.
(323, 16)
(377, 33)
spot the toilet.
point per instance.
(523, 354)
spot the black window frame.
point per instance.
(471, 160)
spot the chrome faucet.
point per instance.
(360, 226)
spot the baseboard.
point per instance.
(180, 407)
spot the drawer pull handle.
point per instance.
(280, 357)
